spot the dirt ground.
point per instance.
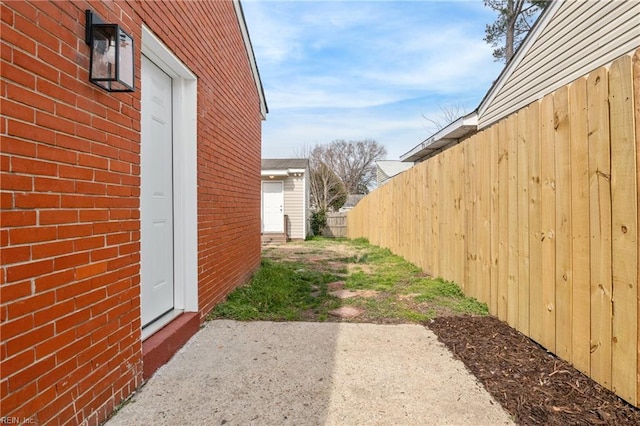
(533, 385)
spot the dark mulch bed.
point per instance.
(536, 387)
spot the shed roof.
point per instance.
(284, 163)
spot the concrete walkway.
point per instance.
(266, 373)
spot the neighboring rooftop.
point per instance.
(284, 163)
(386, 169)
(352, 200)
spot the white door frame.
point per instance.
(185, 175)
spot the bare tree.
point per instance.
(515, 19)
(448, 114)
(354, 162)
(340, 168)
(327, 190)
(303, 152)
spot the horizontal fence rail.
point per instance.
(537, 216)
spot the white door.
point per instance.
(272, 207)
(156, 205)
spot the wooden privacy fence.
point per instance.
(336, 225)
(537, 216)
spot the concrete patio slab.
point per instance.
(266, 373)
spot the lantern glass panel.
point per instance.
(112, 58)
(103, 57)
(125, 71)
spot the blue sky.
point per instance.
(366, 69)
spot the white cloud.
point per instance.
(274, 38)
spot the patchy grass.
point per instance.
(388, 308)
(279, 291)
(447, 294)
(291, 285)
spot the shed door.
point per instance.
(156, 205)
(272, 207)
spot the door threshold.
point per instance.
(155, 326)
(158, 349)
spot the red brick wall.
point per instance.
(70, 346)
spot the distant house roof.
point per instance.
(284, 163)
(283, 166)
(352, 200)
(386, 169)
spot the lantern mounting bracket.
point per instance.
(91, 19)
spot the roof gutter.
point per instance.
(450, 135)
(281, 172)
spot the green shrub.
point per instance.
(318, 221)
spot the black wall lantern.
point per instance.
(111, 63)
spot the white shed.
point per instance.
(285, 199)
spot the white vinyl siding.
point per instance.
(307, 202)
(578, 38)
(294, 206)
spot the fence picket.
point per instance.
(495, 219)
(624, 229)
(580, 347)
(548, 222)
(563, 278)
(503, 217)
(512, 220)
(535, 224)
(484, 228)
(523, 221)
(600, 225)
